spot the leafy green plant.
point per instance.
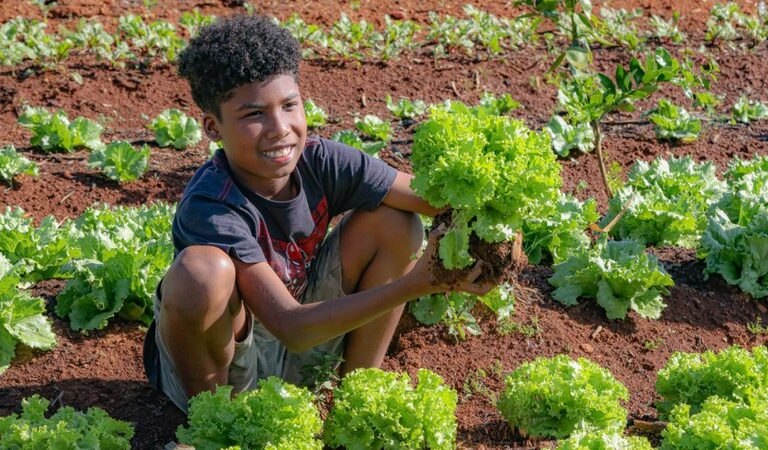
(65, 429)
(673, 122)
(277, 415)
(666, 202)
(374, 409)
(618, 274)
(449, 33)
(555, 230)
(21, 318)
(588, 98)
(463, 159)
(349, 40)
(152, 39)
(37, 253)
(122, 253)
(757, 328)
(552, 397)
(719, 424)
(175, 129)
(667, 29)
(746, 110)
(398, 36)
(119, 161)
(12, 164)
(406, 109)
(618, 25)
(568, 137)
(595, 439)
(735, 242)
(691, 378)
(193, 21)
(354, 140)
(316, 117)
(54, 132)
(454, 309)
(374, 128)
(529, 330)
(490, 104)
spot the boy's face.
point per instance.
(263, 129)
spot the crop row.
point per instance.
(709, 400)
(24, 39)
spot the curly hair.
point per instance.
(234, 51)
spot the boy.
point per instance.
(254, 289)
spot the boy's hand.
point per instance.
(422, 271)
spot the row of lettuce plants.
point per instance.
(479, 32)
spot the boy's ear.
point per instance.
(211, 127)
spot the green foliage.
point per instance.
(122, 253)
(454, 309)
(567, 137)
(21, 319)
(668, 201)
(464, 158)
(406, 109)
(37, 253)
(497, 106)
(746, 110)
(354, 140)
(668, 29)
(591, 439)
(720, 424)
(193, 21)
(174, 128)
(119, 161)
(54, 132)
(277, 416)
(734, 374)
(673, 122)
(65, 429)
(728, 23)
(374, 128)
(556, 230)
(618, 274)
(735, 242)
(618, 25)
(398, 36)
(12, 164)
(553, 397)
(151, 39)
(374, 409)
(587, 98)
(316, 117)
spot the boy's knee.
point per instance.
(200, 281)
(403, 228)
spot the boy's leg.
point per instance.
(201, 317)
(376, 248)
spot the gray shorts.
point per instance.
(261, 354)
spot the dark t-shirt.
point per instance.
(331, 178)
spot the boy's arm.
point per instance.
(302, 326)
(401, 196)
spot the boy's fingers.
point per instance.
(476, 271)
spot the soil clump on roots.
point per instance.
(501, 262)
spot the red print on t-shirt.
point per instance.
(291, 260)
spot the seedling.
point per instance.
(175, 129)
(374, 128)
(120, 162)
(12, 164)
(316, 117)
(673, 122)
(406, 109)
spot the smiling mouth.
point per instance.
(280, 156)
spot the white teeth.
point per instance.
(279, 153)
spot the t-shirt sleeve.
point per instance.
(352, 179)
(205, 221)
